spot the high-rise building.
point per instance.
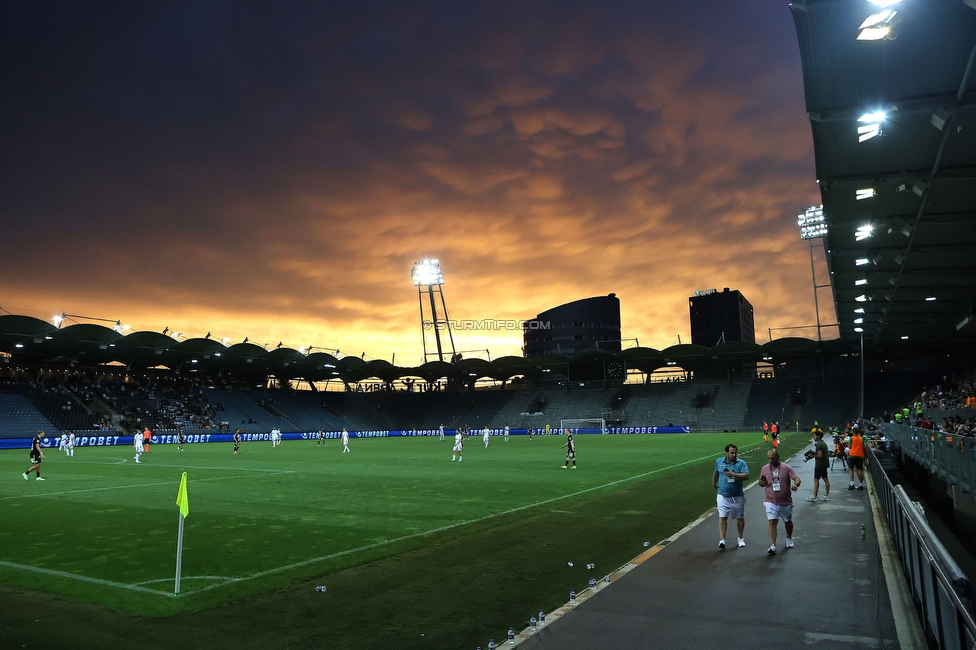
(578, 326)
(718, 317)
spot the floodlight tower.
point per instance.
(427, 277)
(813, 225)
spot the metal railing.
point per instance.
(942, 593)
(950, 457)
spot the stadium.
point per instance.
(285, 532)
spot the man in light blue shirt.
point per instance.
(729, 477)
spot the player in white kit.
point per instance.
(63, 445)
(137, 443)
(345, 441)
(484, 436)
(458, 447)
(506, 433)
(70, 448)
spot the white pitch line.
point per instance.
(287, 567)
(75, 576)
(120, 487)
(440, 529)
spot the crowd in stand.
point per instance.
(85, 401)
(948, 395)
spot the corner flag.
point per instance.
(181, 499)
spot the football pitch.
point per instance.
(414, 550)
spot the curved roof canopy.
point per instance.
(95, 345)
(894, 136)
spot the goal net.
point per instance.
(587, 425)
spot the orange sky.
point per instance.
(275, 175)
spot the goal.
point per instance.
(595, 424)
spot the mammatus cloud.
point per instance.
(543, 156)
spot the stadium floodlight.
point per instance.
(858, 321)
(874, 33)
(862, 281)
(930, 299)
(904, 338)
(879, 19)
(859, 310)
(427, 273)
(863, 232)
(58, 319)
(884, 4)
(862, 261)
(870, 125)
(858, 329)
(866, 193)
(428, 279)
(812, 223)
(861, 298)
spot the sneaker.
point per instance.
(772, 550)
(811, 499)
(742, 543)
(825, 498)
(860, 487)
(573, 467)
(25, 477)
(850, 487)
(138, 461)
(460, 459)
(562, 467)
(789, 542)
(721, 544)
(39, 478)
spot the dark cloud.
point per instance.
(273, 171)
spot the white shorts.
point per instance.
(732, 507)
(457, 447)
(774, 512)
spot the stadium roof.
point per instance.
(894, 132)
(29, 340)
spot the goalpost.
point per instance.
(583, 423)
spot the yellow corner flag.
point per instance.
(181, 499)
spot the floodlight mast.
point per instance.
(427, 276)
(813, 225)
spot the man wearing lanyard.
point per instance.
(730, 473)
(780, 482)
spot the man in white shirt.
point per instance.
(345, 441)
(484, 435)
(458, 446)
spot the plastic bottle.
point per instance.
(592, 583)
(542, 618)
(864, 532)
(532, 623)
(511, 636)
(491, 644)
(572, 597)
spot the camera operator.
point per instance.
(821, 456)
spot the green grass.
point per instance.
(407, 542)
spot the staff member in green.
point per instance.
(730, 473)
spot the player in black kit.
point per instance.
(35, 455)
